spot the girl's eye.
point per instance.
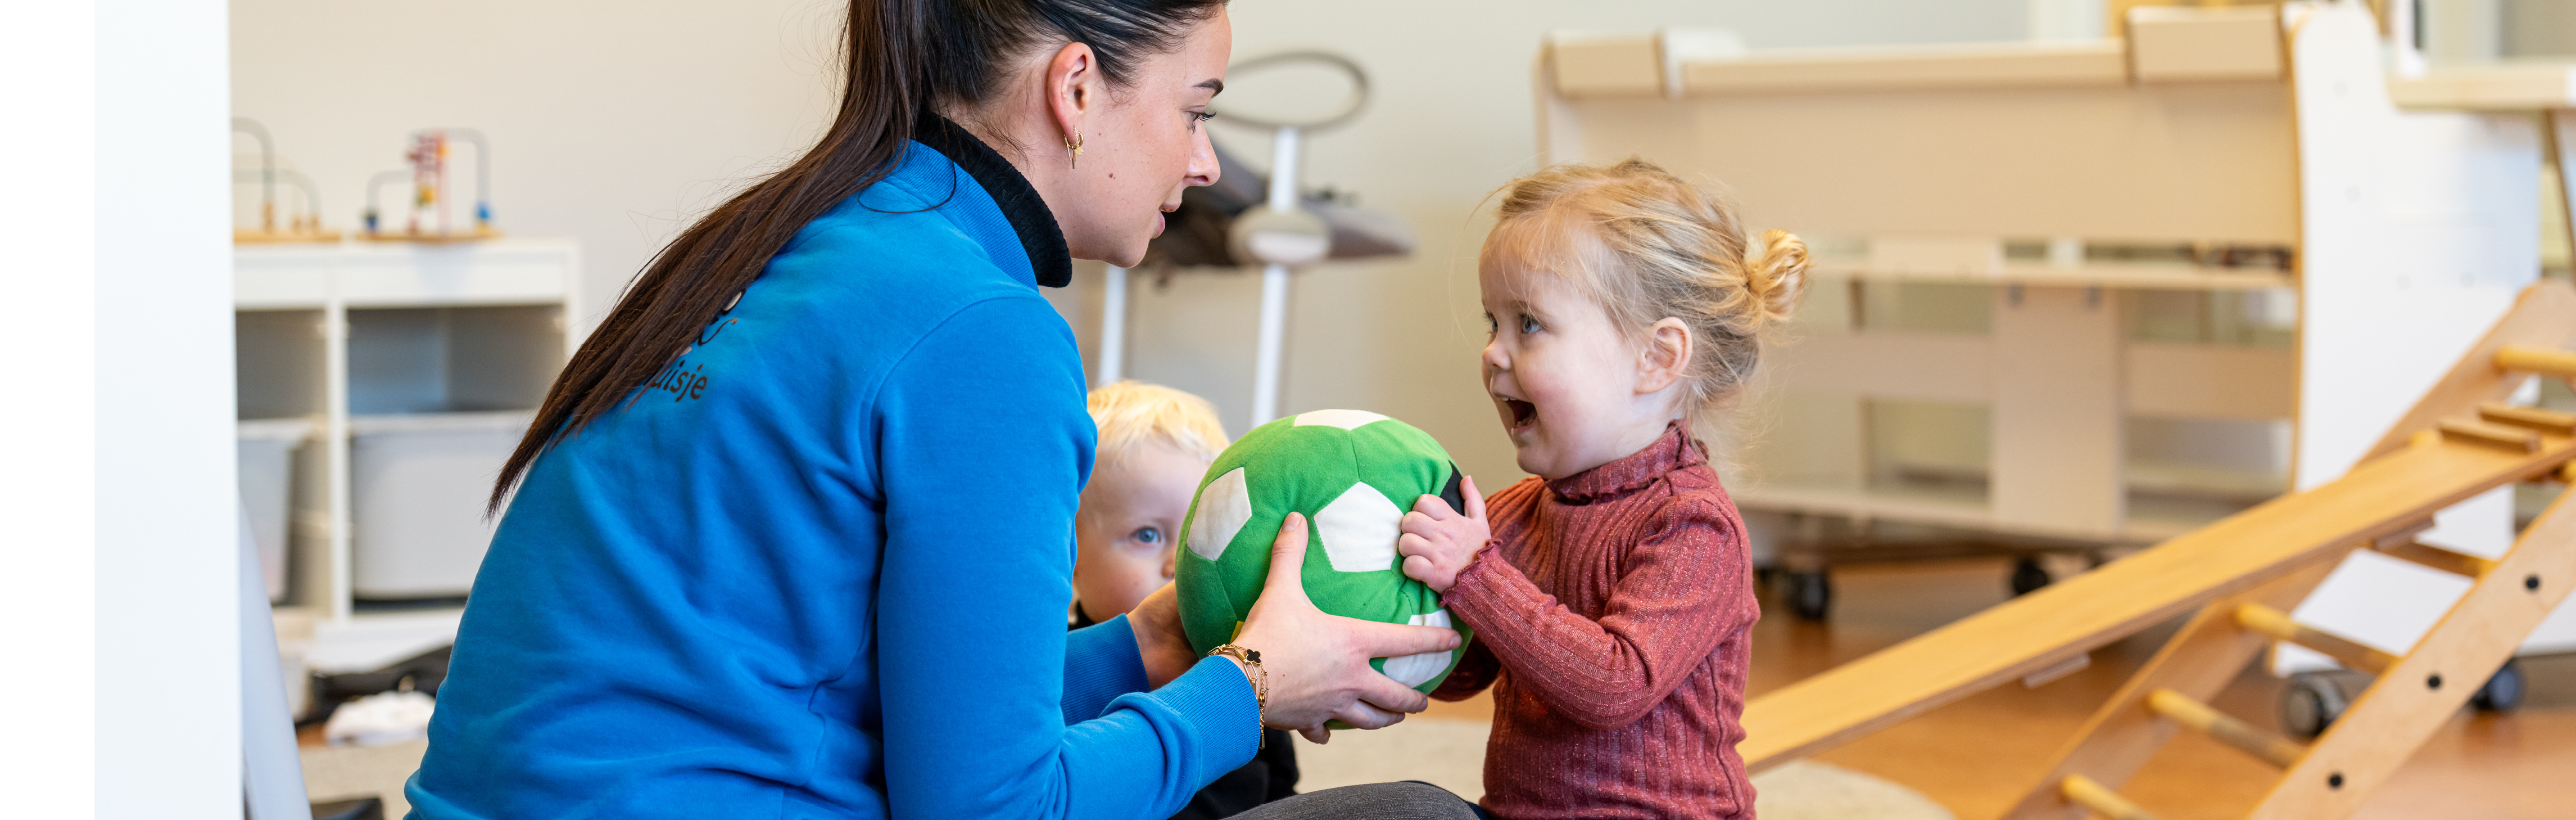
(1490, 325)
(1149, 535)
(1528, 325)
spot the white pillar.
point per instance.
(1274, 330)
(1274, 286)
(120, 492)
(1113, 328)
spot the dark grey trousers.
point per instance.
(1409, 800)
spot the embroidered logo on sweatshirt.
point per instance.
(683, 380)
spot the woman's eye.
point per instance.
(1528, 325)
(1197, 117)
(1149, 535)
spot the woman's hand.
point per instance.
(1164, 647)
(1438, 543)
(1319, 663)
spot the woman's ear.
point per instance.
(1073, 90)
(1666, 354)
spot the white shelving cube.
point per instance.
(403, 346)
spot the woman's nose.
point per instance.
(1203, 165)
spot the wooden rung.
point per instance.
(2181, 709)
(2099, 799)
(2546, 421)
(2439, 558)
(2536, 360)
(2277, 624)
(2469, 431)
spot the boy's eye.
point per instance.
(1149, 535)
(1528, 325)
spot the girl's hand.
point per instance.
(1438, 543)
(1319, 663)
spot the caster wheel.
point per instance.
(1811, 594)
(2503, 693)
(2310, 704)
(2028, 576)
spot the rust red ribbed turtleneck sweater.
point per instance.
(1613, 611)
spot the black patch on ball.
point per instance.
(1457, 500)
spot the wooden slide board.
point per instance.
(2388, 495)
(2049, 626)
(2271, 556)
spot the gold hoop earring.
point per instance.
(1075, 144)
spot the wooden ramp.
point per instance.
(2241, 574)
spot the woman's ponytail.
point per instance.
(903, 60)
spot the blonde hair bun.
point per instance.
(1775, 272)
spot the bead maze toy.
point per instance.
(304, 225)
(427, 157)
(2240, 576)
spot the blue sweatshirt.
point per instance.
(819, 566)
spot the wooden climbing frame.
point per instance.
(2241, 575)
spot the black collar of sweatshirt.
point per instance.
(1039, 234)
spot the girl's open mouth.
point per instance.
(1522, 412)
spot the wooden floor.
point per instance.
(1976, 756)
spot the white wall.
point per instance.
(121, 694)
(613, 122)
(1451, 119)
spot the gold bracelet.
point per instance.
(1255, 675)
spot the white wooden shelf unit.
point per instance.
(2408, 209)
(2008, 234)
(346, 334)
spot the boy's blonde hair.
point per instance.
(1132, 413)
(1645, 245)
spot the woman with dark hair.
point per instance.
(792, 533)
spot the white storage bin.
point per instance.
(417, 487)
(267, 468)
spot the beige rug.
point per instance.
(343, 772)
(1446, 753)
(1451, 754)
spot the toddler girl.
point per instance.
(1612, 594)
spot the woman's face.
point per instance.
(1144, 146)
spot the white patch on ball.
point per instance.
(1412, 670)
(1345, 419)
(1359, 529)
(1224, 506)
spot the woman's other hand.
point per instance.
(1438, 542)
(1319, 663)
(1159, 638)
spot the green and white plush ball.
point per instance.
(1353, 474)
